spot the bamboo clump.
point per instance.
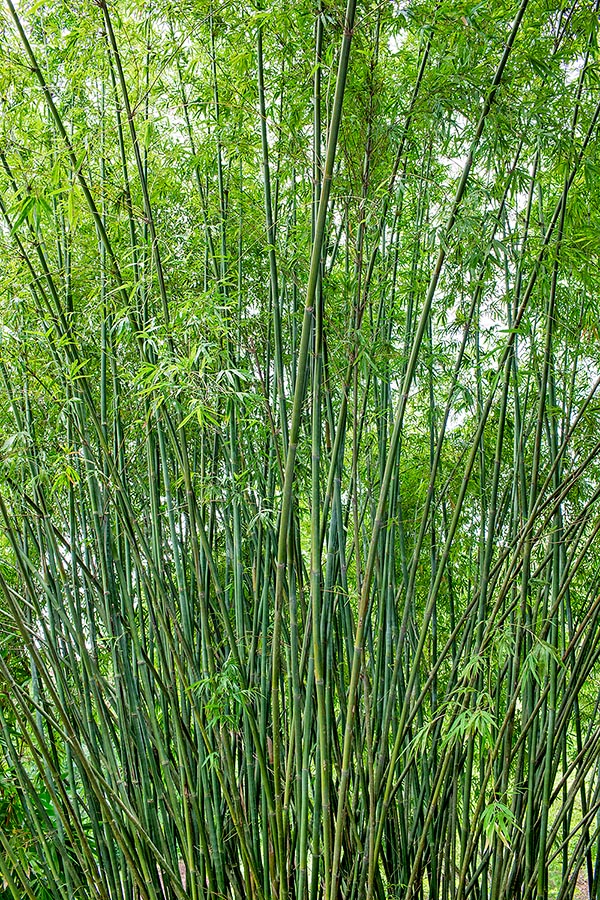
(299, 490)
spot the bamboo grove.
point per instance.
(300, 432)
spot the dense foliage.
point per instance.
(299, 477)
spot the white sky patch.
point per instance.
(572, 69)
(454, 164)
(395, 41)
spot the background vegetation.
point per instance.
(299, 474)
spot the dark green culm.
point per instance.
(300, 455)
